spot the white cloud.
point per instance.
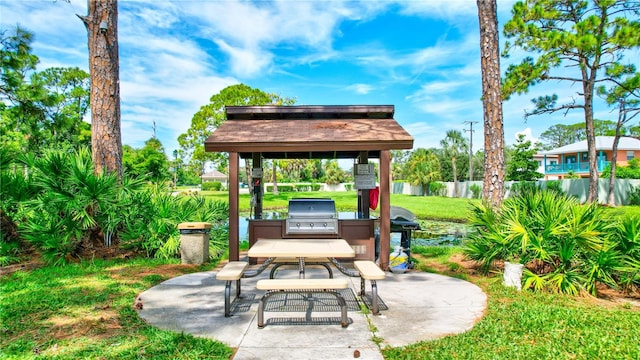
(246, 62)
(249, 32)
(454, 11)
(436, 87)
(528, 135)
(362, 89)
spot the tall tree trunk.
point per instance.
(106, 140)
(587, 85)
(611, 200)
(493, 187)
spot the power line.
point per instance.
(470, 147)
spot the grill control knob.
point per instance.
(311, 224)
(297, 224)
(325, 224)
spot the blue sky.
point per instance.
(420, 56)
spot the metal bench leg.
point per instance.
(261, 306)
(273, 270)
(362, 289)
(343, 309)
(374, 297)
(326, 266)
(227, 298)
(261, 312)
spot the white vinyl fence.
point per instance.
(575, 187)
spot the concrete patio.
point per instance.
(420, 306)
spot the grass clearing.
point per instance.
(424, 207)
(528, 325)
(86, 310)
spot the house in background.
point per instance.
(544, 161)
(215, 175)
(574, 158)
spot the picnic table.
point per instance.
(322, 251)
(302, 249)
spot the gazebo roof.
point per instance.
(281, 132)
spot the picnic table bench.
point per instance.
(232, 271)
(368, 270)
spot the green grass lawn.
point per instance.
(86, 311)
(425, 207)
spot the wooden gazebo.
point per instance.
(359, 132)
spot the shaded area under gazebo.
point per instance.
(358, 132)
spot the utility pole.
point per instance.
(470, 147)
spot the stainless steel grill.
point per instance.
(312, 216)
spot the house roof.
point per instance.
(214, 174)
(602, 143)
(317, 131)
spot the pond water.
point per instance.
(440, 233)
(433, 233)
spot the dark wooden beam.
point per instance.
(385, 209)
(234, 215)
(256, 161)
(363, 194)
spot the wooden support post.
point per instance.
(385, 209)
(363, 194)
(256, 177)
(234, 215)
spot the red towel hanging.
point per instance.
(373, 198)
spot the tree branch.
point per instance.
(551, 109)
(84, 19)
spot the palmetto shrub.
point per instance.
(625, 235)
(15, 188)
(150, 221)
(63, 209)
(566, 247)
(58, 204)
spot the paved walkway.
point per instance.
(421, 306)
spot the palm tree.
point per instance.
(453, 144)
(424, 168)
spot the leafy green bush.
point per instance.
(521, 187)
(565, 246)
(476, 191)
(62, 207)
(212, 186)
(631, 171)
(151, 218)
(625, 237)
(299, 187)
(554, 185)
(634, 196)
(437, 188)
(66, 205)
(282, 188)
(15, 189)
